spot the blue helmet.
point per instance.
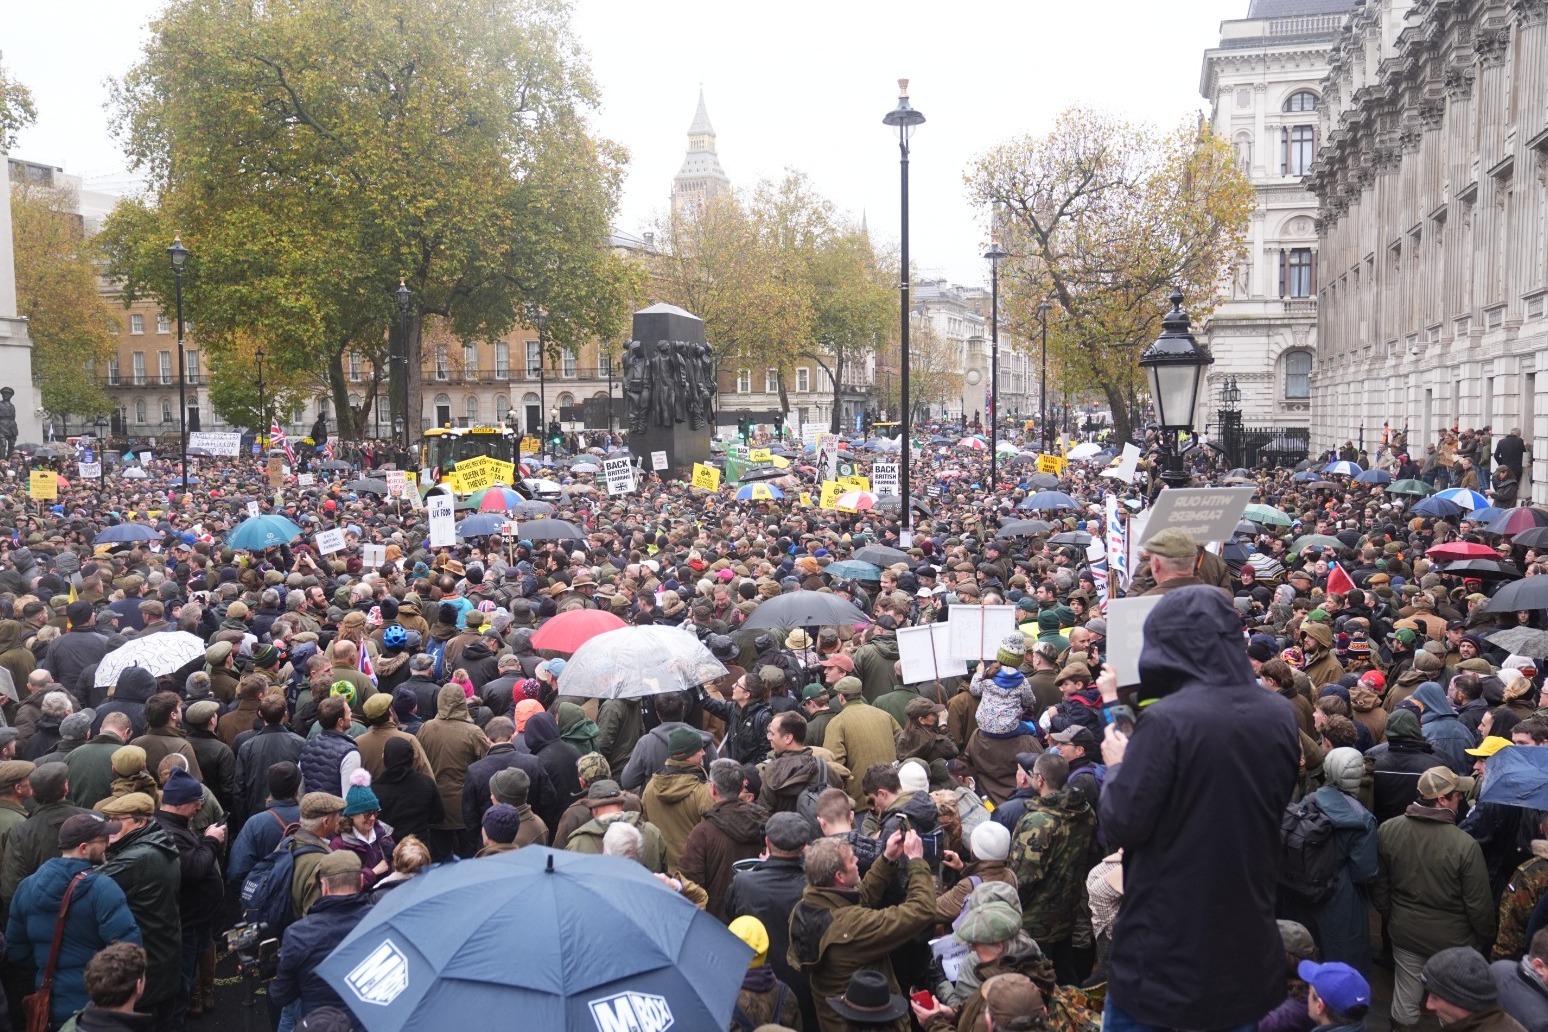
(394, 636)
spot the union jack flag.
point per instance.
(326, 451)
(364, 665)
(277, 437)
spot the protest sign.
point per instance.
(442, 516)
(252, 509)
(1051, 464)
(925, 652)
(1128, 462)
(707, 477)
(397, 483)
(216, 443)
(619, 473)
(976, 631)
(830, 492)
(373, 556)
(43, 485)
(658, 461)
(885, 478)
(330, 541)
(89, 470)
(1204, 513)
(306, 479)
(1126, 635)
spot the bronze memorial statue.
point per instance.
(7, 422)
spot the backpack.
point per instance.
(436, 648)
(267, 888)
(806, 802)
(1310, 855)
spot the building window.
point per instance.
(139, 411)
(1301, 100)
(502, 363)
(502, 406)
(137, 363)
(113, 371)
(605, 365)
(803, 379)
(1300, 149)
(441, 370)
(164, 360)
(470, 361)
(567, 364)
(1298, 366)
(354, 367)
(166, 411)
(136, 323)
(534, 358)
(470, 405)
(191, 365)
(1298, 275)
(771, 381)
(162, 324)
(744, 381)
(565, 400)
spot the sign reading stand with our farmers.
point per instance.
(1204, 513)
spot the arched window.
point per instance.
(1298, 367)
(565, 400)
(1301, 100)
(502, 406)
(470, 406)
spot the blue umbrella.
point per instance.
(619, 949)
(1347, 469)
(1517, 776)
(262, 532)
(126, 532)
(1465, 497)
(1048, 500)
(854, 569)
(1488, 514)
(1437, 507)
(1374, 476)
(481, 524)
(1306, 476)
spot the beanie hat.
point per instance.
(1012, 651)
(510, 786)
(128, 760)
(683, 742)
(1403, 723)
(501, 823)
(181, 787)
(990, 841)
(360, 798)
(1048, 620)
(1460, 976)
(912, 777)
(284, 780)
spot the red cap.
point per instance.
(841, 661)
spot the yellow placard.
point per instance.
(475, 479)
(453, 480)
(707, 477)
(855, 483)
(1050, 464)
(43, 485)
(531, 446)
(760, 455)
(806, 498)
(780, 462)
(830, 492)
(504, 472)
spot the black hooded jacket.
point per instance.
(135, 685)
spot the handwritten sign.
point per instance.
(397, 483)
(306, 479)
(658, 461)
(89, 470)
(43, 485)
(252, 509)
(216, 443)
(330, 541)
(707, 477)
(442, 516)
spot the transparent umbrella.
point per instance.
(634, 662)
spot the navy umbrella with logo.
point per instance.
(545, 938)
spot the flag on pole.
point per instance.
(277, 436)
(326, 451)
(363, 664)
(1339, 582)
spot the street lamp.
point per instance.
(1175, 364)
(263, 403)
(537, 317)
(102, 429)
(400, 359)
(179, 256)
(1042, 383)
(905, 120)
(994, 254)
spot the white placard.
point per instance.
(89, 470)
(512, 529)
(443, 521)
(397, 483)
(330, 541)
(620, 475)
(416, 500)
(252, 509)
(658, 461)
(145, 458)
(885, 479)
(306, 479)
(976, 631)
(1126, 635)
(1128, 462)
(1204, 513)
(216, 443)
(926, 654)
(952, 953)
(373, 556)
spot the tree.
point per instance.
(934, 368)
(855, 305)
(312, 153)
(72, 327)
(1102, 218)
(16, 110)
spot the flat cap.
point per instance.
(320, 804)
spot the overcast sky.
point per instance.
(799, 84)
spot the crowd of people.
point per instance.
(1287, 798)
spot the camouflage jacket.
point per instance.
(1521, 894)
(1052, 848)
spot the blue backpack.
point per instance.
(266, 892)
(436, 649)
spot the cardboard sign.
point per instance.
(830, 492)
(442, 515)
(43, 485)
(976, 631)
(306, 479)
(707, 477)
(1050, 464)
(330, 541)
(397, 483)
(620, 475)
(1126, 635)
(253, 510)
(1127, 463)
(373, 556)
(1204, 513)
(216, 443)
(89, 470)
(885, 476)
(658, 461)
(926, 654)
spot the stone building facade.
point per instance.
(1433, 180)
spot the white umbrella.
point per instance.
(160, 653)
(135, 473)
(1085, 451)
(634, 662)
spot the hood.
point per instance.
(569, 715)
(1432, 697)
(391, 663)
(1363, 699)
(477, 650)
(22, 559)
(152, 836)
(676, 783)
(1184, 625)
(739, 821)
(793, 770)
(1402, 723)
(886, 644)
(1067, 802)
(397, 755)
(56, 873)
(540, 730)
(11, 634)
(452, 704)
(1343, 768)
(135, 684)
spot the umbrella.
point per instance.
(1315, 541)
(584, 467)
(892, 501)
(497, 499)
(367, 485)
(973, 444)
(1464, 497)
(1484, 569)
(1267, 567)
(1306, 476)
(1306, 464)
(135, 473)
(1240, 471)
(881, 555)
(1535, 537)
(1024, 528)
(262, 532)
(855, 501)
(1374, 476)
(854, 569)
(1526, 593)
(1516, 520)
(200, 453)
(622, 951)
(542, 487)
(1454, 550)
(1521, 641)
(1043, 481)
(1517, 776)
(1437, 507)
(1344, 469)
(1410, 487)
(1005, 448)
(1266, 515)
(1238, 480)
(937, 439)
(763, 473)
(635, 662)
(1020, 458)
(807, 609)
(1247, 529)
(573, 628)
(1071, 537)
(759, 493)
(1235, 553)
(126, 532)
(1487, 514)
(1085, 451)
(547, 530)
(532, 509)
(482, 524)
(161, 653)
(1048, 501)
(334, 464)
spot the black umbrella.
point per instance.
(892, 501)
(1071, 537)
(1527, 593)
(367, 485)
(1484, 569)
(806, 609)
(1534, 537)
(765, 473)
(548, 530)
(1024, 528)
(881, 555)
(334, 464)
(1043, 481)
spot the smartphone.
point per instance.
(1123, 719)
(923, 997)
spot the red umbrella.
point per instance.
(1456, 550)
(569, 631)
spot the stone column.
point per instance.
(15, 345)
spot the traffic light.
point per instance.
(554, 436)
(744, 429)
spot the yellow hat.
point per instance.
(1491, 745)
(751, 931)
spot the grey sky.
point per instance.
(805, 87)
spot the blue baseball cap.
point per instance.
(1341, 987)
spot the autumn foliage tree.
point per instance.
(1101, 218)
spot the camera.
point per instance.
(257, 953)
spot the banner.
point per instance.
(707, 477)
(620, 475)
(442, 515)
(89, 470)
(216, 443)
(1117, 549)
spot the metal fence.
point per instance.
(1260, 446)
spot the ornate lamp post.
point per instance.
(994, 254)
(102, 429)
(179, 256)
(1175, 364)
(905, 119)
